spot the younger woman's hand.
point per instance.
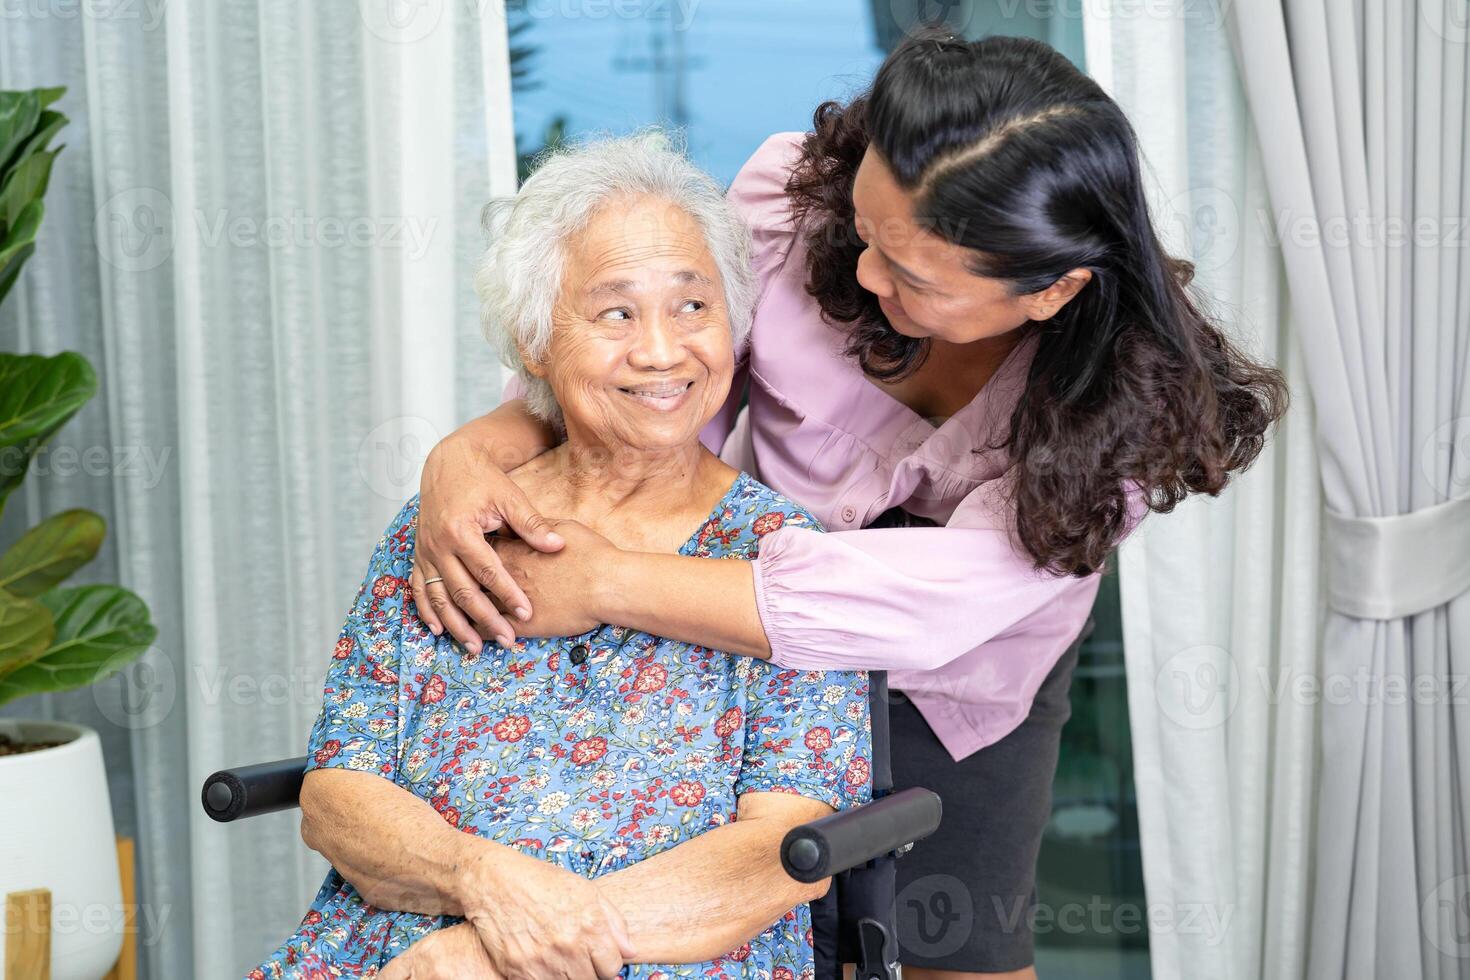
(463, 496)
(565, 586)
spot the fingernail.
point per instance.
(436, 630)
(507, 641)
(472, 647)
(553, 538)
(522, 612)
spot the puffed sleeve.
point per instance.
(910, 598)
(359, 721)
(806, 732)
(758, 193)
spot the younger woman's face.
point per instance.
(923, 282)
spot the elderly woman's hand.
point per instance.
(535, 920)
(454, 953)
(563, 586)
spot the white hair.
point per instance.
(520, 274)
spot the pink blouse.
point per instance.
(967, 628)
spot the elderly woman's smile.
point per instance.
(641, 354)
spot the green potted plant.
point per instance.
(55, 816)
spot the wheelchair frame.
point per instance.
(856, 848)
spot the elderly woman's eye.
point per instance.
(691, 306)
(617, 313)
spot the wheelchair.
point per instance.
(857, 848)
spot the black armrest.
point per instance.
(231, 794)
(850, 838)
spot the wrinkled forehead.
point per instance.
(640, 239)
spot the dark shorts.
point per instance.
(964, 895)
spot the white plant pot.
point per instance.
(56, 833)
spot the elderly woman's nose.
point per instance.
(657, 344)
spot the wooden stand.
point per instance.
(28, 927)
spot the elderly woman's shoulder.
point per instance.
(758, 509)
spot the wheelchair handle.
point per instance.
(850, 838)
(232, 794)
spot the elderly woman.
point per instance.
(599, 804)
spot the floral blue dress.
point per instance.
(592, 751)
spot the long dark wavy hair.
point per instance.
(1013, 153)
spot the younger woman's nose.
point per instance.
(871, 276)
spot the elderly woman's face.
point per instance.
(640, 354)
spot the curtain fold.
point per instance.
(1221, 598)
(262, 232)
(1365, 110)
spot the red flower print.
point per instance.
(433, 691)
(686, 793)
(589, 750)
(819, 739)
(782, 973)
(512, 729)
(386, 585)
(343, 649)
(450, 815)
(651, 678)
(766, 523)
(383, 675)
(312, 918)
(329, 749)
(729, 722)
(857, 772)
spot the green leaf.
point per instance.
(99, 630)
(19, 113)
(22, 236)
(49, 552)
(24, 186)
(26, 631)
(37, 396)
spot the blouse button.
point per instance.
(849, 514)
(579, 654)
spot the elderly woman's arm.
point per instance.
(400, 854)
(708, 895)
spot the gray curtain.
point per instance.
(1361, 111)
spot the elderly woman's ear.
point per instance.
(534, 366)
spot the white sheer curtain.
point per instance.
(1221, 599)
(261, 233)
